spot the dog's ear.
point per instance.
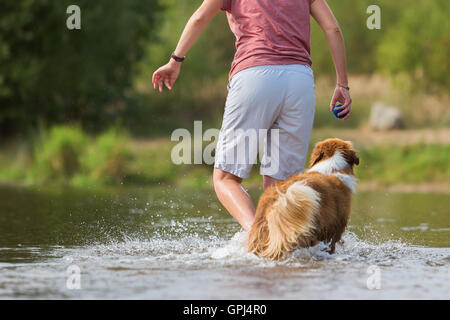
(354, 159)
(316, 157)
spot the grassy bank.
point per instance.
(67, 156)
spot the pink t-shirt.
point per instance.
(269, 32)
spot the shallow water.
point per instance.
(162, 242)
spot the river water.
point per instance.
(168, 243)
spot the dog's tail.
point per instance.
(290, 220)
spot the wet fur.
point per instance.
(309, 207)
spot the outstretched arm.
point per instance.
(322, 13)
(168, 73)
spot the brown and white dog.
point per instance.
(309, 207)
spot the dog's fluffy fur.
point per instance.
(309, 207)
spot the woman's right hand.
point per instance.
(167, 75)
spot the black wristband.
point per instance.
(176, 58)
(342, 86)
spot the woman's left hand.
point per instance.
(166, 74)
(342, 95)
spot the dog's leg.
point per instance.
(332, 247)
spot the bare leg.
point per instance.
(268, 181)
(234, 198)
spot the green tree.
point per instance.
(201, 88)
(419, 44)
(361, 43)
(51, 74)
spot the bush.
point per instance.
(106, 159)
(65, 154)
(57, 154)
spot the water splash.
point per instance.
(214, 251)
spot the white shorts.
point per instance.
(271, 108)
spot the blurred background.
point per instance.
(77, 108)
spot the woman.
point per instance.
(271, 86)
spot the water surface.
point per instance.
(163, 242)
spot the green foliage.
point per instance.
(67, 155)
(101, 73)
(419, 44)
(198, 177)
(406, 164)
(51, 74)
(106, 159)
(361, 43)
(152, 164)
(14, 157)
(351, 16)
(209, 58)
(414, 39)
(57, 154)
(200, 91)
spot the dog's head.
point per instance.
(333, 154)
